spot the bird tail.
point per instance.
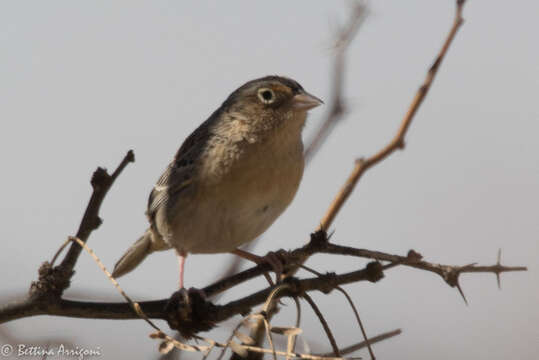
(134, 255)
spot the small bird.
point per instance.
(231, 178)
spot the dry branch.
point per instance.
(205, 314)
(324, 323)
(46, 293)
(353, 348)
(397, 142)
(337, 106)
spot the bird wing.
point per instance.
(180, 172)
(173, 181)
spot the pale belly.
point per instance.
(230, 225)
(240, 208)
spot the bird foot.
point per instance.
(193, 292)
(274, 259)
(276, 263)
(185, 312)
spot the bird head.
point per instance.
(271, 100)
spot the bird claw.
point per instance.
(182, 312)
(196, 292)
(276, 263)
(276, 260)
(190, 294)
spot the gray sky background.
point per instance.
(83, 82)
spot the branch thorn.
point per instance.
(499, 264)
(457, 284)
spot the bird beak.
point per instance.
(305, 101)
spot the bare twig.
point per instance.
(354, 309)
(47, 291)
(231, 337)
(291, 341)
(325, 325)
(397, 142)
(336, 107)
(256, 349)
(101, 183)
(358, 319)
(352, 348)
(268, 310)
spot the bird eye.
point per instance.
(267, 96)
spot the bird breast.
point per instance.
(243, 189)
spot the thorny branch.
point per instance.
(362, 165)
(189, 313)
(205, 314)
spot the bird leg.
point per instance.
(271, 258)
(182, 255)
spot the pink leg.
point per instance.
(182, 255)
(181, 260)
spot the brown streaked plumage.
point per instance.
(232, 177)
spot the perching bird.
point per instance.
(231, 178)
